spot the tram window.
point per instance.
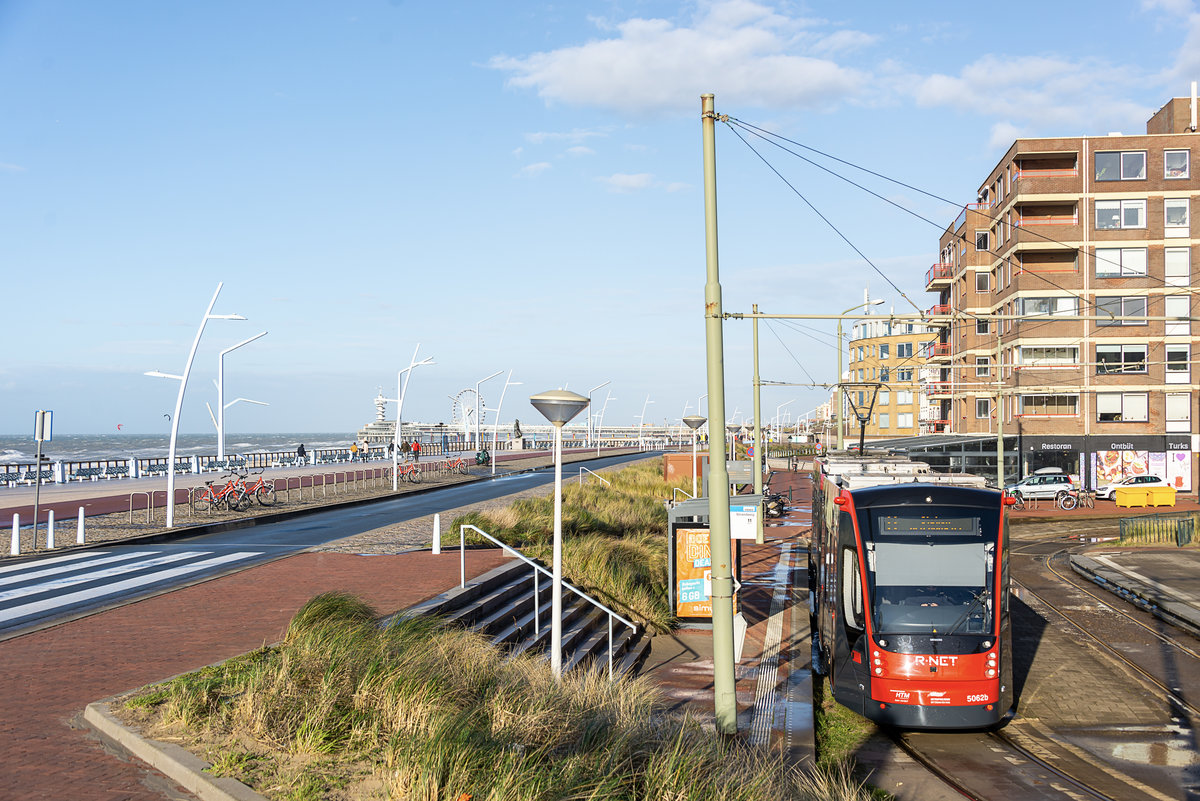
(852, 604)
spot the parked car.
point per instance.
(1041, 485)
(1133, 481)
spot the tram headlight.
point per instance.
(879, 671)
(987, 644)
(990, 673)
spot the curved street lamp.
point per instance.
(558, 406)
(694, 421)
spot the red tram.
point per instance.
(908, 587)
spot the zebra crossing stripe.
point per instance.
(121, 586)
(40, 562)
(41, 571)
(82, 578)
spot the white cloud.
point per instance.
(1180, 8)
(624, 182)
(11, 167)
(580, 150)
(732, 48)
(535, 169)
(678, 186)
(1003, 134)
(844, 42)
(1041, 94)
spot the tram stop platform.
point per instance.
(1165, 582)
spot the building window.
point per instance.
(1112, 359)
(1120, 262)
(983, 408)
(904, 420)
(1047, 306)
(1122, 407)
(883, 397)
(884, 420)
(1175, 163)
(1178, 266)
(1179, 412)
(982, 326)
(1121, 166)
(983, 281)
(1121, 307)
(1179, 367)
(885, 374)
(981, 241)
(1044, 405)
(1116, 214)
(884, 350)
(904, 397)
(983, 366)
(1177, 306)
(1176, 219)
(904, 375)
(1049, 356)
(904, 350)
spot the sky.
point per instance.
(510, 186)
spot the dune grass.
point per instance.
(346, 709)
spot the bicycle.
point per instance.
(1018, 502)
(1087, 499)
(412, 473)
(1067, 499)
(260, 490)
(228, 495)
(457, 466)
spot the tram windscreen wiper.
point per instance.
(975, 602)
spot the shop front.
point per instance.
(1115, 458)
(1064, 453)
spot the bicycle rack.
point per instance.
(145, 495)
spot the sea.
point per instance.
(95, 447)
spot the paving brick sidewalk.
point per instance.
(46, 678)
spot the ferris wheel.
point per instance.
(462, 411)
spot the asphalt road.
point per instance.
(48, 590)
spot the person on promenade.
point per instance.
(416, 450)
(301, 454)
(354, 451)
(405, 450)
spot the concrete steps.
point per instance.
(500, 605)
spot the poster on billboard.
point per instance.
(691, 573)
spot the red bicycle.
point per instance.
(229, 495)
(260, 490)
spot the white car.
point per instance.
(1132, 481)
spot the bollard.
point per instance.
(437, 534)
(79, 528)
(49, 530)
(16, 537)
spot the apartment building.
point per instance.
(1067, 299)
(891, 353)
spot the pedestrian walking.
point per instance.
(416, 450)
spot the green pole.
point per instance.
(724, 697)
(758, 440)
(999, 411)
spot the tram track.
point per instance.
(1028, 760)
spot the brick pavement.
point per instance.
(46, 678)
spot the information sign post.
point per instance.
(43, 430)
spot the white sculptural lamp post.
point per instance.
(694, 421)
(558, 406)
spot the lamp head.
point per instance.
(694, 421)
(559, 406)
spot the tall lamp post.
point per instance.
(221, 406)
(183, 379)
(508, 382)
(840, 441)
(558, 406)
(401, 387)
(778, 430)
(480, 412)
(694, 421)
(642, 424)
(590, 431)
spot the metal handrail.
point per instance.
(582, 470)
(462, 582)
(677, 489)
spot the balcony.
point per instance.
(935, 427)
(938, 276)
(941, 308)
(937, 351)
(937, 389)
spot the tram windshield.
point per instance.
(931, 576)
